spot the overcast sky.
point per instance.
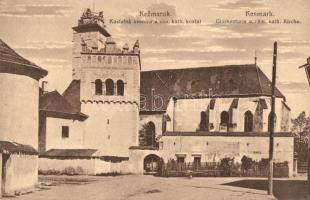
(41, 31)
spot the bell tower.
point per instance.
(109, 78)
(88, 36)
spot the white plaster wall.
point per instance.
(129, 74)
(214, 148)
(22, 172)
(54, 138)
(90, 166)
(187, 113)
(111, 128)
(136, 159)
(19, 105)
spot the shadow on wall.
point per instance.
(283, 189)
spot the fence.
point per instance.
(225, 168)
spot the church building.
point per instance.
(113, 116)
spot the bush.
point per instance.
(226, 165)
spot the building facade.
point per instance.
(104, 91)
(114, 113)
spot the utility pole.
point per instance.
(271, 140)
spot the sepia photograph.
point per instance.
(155, 100)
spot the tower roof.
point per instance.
(91, 21)
(12, 62)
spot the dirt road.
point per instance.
(134, 187)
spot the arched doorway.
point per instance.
(150, 134)
(150, 164)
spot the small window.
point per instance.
(180, 159)
(197, 162)
(109, 60)
(65, 132)
(109, 84)
(120, 87)
(98, 87)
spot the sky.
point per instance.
(41, 31)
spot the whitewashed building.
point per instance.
(110, 119)
(19, 120)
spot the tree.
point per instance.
(301, 128)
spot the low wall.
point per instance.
(214, 148)
(21, 172)
(91, 166)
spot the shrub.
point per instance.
(226, 165)
(247, 163)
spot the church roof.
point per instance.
(12, 62)
(214, 82)
(57, 105)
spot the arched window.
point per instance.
(98, 87)
(248, 121)
(150, 134)
(120, 87)
(225, 119)
(203, 121)
(109, 84)
(270, 121)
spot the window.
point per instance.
(99, 59)
(109, 60)
(119, 60)
(269, 121)
(120, 87)
(109, 84)
(150, 134)
(65, 131)
(248, 121)
(204, 121)
(98, 87)
(197, 162)
(180, 159)
(129, 60)
(225, 119)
